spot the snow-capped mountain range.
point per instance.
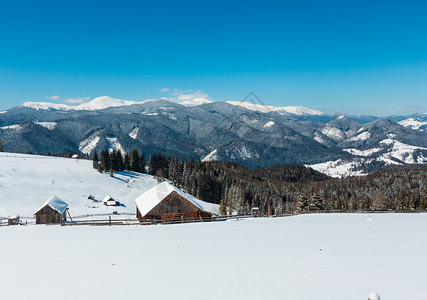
(104, 102)
(251, 134)
(98, 103)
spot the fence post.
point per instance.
(109, 219)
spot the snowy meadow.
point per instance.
(324, 256)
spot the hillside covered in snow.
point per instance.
(27, 181)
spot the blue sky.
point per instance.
(360, 57)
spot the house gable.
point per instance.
(173, 203)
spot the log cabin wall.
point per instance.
(48, 215)
(174, 203)
(173, 207)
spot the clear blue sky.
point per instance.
(361, 57)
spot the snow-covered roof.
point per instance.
(56, 204)
(108, 198)
(151, 198)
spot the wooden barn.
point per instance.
(53, 211)
(168, 203)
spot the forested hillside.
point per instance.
(283, 189)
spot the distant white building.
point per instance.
(109, 201)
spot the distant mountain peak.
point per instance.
(97, 103)
(195, 102)
(104, 102)
(294, 110)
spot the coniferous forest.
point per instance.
(277, 190)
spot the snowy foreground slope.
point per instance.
(329, 256)
(26, 181)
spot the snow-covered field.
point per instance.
(329, 256)
(27, 181)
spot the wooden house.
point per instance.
(168, 203)
(53, 211)
(109, 201)
(255, 211)
(14, 220)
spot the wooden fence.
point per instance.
(135, 221)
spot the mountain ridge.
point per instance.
(253, 138)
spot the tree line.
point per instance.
(114, 161)
(277, 190)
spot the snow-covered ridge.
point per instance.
(368, 152)
(11, 127)
(361, 137)
(413, 123)
(339, 168)
(195, 102)
(47, 106)
(319, 139)
(48, 125)
(394, 153)
(268, 124)
(96, 104)
(88, 145)
(213, 156)
(104, 102)
(334, 133)
(134, 133)
(114, 144)
(402, 152)
(295, 110)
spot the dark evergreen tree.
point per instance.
(152, 164)
(303, 203)
(142, 163)
(134, 161)
(119, 159)
(95, 160)
(173, 170)
(104, 161)
(115, 164)
(126, 162)
(159, 175)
